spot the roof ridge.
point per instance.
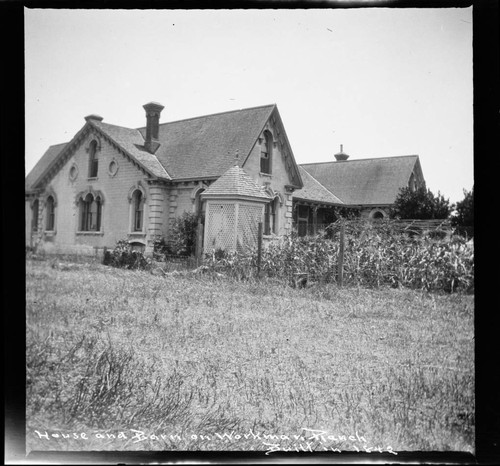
(361, 160)
(116, 126)
(212, 114)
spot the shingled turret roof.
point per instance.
(236, 182)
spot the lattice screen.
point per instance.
(220, 224)
(248, 218)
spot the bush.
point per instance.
(463, 220)
(160, 249)
(183, 237)
(123, 256)
(420, 204)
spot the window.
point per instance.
(73, 173)
(303, 214)
(270, 224)
(266, 153)
(413, 183)
(90, 213)
(199, 204)
(138, 210)
(34, 217)
(113, 168)
(51, 214)
(93, 160)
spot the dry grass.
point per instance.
(110, 350)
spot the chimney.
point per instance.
(153, 110)
(93, 117)
(341, 156)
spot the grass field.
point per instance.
(126, 360)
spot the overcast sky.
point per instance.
(380, 81)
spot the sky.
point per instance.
(380, 81)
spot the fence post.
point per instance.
(340, 263)
(199, 239)
(259, 248)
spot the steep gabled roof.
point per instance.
(236, 182)
(47, 159)
(374, 181)
(132, 142)
(205, 146)
(313, 190)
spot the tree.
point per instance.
(420, 204)
(463, 219)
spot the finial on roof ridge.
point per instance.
(341, 156)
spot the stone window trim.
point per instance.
(196, 190)
(377, 213)
(90, 233)
(266, 152)
(136, 210)
(35, 213)
(271, 214)
(113, 171)
(94, 139)
(73, 172)
(199, 205)
(137, 186)
(50, 210)
(93, 150)
(82, 202)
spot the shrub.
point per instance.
(420, 204)
(161, 248)
(463, 220)
(123, 256)
(183, 236)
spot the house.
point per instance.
(233, 169)
(369, 185)
(110, 182)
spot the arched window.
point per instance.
(266, 153)
(51, 214)
(93, 160)
(412, 183)
(138, 210)
(199, 204)
(90, 213)
(34, 216)
(270, 220)
(377, 214)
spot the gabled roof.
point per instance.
(196, 148)
(47, 159)
(132, 142)
(374, 181)
(205, 146)
(236, 182)
(313, 190)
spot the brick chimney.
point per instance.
(153, 110)
(341, 156)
